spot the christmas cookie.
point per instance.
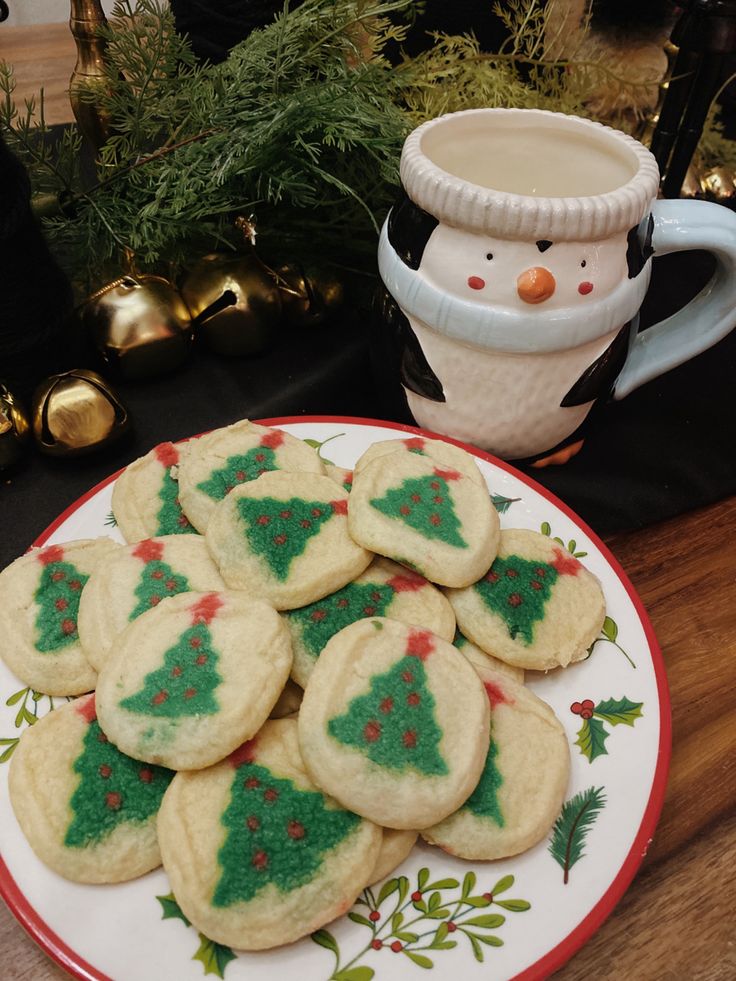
(395, 847)
(88, 811)
(215, 463)
(285, 537)
(394, 724)
(255, 854)
(446, 454)
(340, 475)
(429, 517)
(39, 608)
(145, 497)
(524, 779)
(137, 578)
(536, 607)
(288, 702)
(192, 678)
(479, 659)
(385, 589)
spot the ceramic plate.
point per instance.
(518, 918)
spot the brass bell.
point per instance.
(140, 325)
(76, 412)
(15, 428)
(307, 298)
(234, 301)
(718, 183)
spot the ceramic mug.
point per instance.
(519, 254)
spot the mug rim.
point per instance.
(456, 201)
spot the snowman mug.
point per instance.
(518, 256)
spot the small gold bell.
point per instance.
(15, 428)
(234, 301)
(308, 299)
(76, 412)
(140, 325)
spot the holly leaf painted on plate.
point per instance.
(591, 739)
(618, 711)
(171, 909)
(215, 957)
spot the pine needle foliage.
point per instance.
(300, 127)
(572, 826)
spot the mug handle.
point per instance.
(706, 319)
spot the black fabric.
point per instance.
(35, 296)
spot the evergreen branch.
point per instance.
(571, 827)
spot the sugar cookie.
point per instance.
(255, 854)
(191, 679)
(145, 497)
(394, 724)
(446, 454)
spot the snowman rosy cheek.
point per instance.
(476, 283)
(585, 288)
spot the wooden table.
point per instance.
(676, 920)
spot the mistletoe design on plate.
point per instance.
(318, 444)
(26, 715)
(546, 530)
(592, 735)
(214, 957)
(572, 826)
(433, 917)
(609, 633)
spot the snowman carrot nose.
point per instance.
(535, 285)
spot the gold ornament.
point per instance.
(87, 17)
(234, 301)
(76, 412)
(15, 428)
(718, 183)
(307, 298)
(140, 325)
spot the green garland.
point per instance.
(301, 127)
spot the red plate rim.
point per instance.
(55, 947)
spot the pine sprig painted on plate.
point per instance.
(214, 957)
(572, 826)
(434, 916)
(501, 503)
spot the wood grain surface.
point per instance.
(676, 921)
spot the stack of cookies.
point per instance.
(295, 671)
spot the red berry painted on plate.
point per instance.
(416, 896)
(451, 927)
(376, 944)
(576, 708)
(396, 946)
(374, 916)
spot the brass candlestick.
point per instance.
(87, 16)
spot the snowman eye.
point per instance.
(489, 255)
(583, 264)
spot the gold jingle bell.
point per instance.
(15, 428)
(719, 183)
(308, 299)
(76, 412)
(234, 301)
(140, 325)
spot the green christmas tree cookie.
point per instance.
(278, 531)
(484, 800)
(237, 470)
(158, 580)
(425, 504)
(113, 789)
(276, 833)
(518, 590)
(185, 685)
(322, 620)
(170, 518)
(57, 596)
(394, 723)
